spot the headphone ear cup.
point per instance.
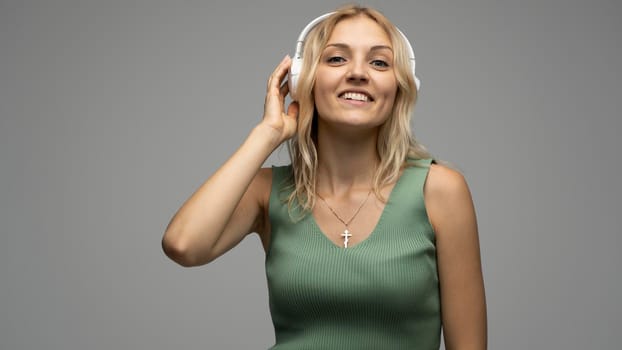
(417, 81)
(294, 71)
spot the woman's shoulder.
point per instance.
(267, 176)
(446, 193)
(261, 185)
(439, 178)
(445, 182)
(264, 175)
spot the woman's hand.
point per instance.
(275, 117)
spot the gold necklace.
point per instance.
(346, 234)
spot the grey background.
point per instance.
(113, 112)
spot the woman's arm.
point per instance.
(463, 302)
(231, 203)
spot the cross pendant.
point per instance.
(346, 237)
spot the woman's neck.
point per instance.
(346, 162)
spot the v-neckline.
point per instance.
(318, 229)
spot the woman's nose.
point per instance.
(357, 73)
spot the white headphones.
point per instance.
(296, 66)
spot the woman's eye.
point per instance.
(335, 59)
(380, 63)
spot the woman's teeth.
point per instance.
(355, 96)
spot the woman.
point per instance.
(369, 243)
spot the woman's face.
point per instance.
(355, 82)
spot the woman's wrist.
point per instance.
(268, 134)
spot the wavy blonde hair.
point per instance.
(396, 144)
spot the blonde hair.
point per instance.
(396, 144)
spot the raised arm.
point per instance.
(231, 203)
(463, 304)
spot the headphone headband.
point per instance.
(296, 66)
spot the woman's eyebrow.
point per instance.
(373, 48)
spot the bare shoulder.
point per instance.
(447, 196)
(444, 181)
(264, 177)
(259, 190)
(262, 185)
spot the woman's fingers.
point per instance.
(277, 89)
(292, 109)
(275, 114)
(279, 74)
(284, 90)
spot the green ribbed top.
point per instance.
(382, 293)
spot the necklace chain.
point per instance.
(346, 234)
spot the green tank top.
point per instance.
(382, 293)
